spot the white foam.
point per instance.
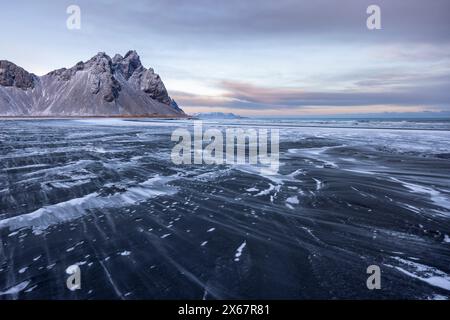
(42, 218)
(266, 191)
(23, 270)
(239, 251)
(430, 275)
(31, 289)
(68, 184)
(447, 239)
(16, 289)
(293, 200)
(438, 198)
(438, 297)
(316, 154)
(319, 184)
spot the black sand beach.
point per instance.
(104, 194)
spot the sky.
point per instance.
(253, 57)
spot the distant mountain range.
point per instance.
(102, 86)
(216, 115)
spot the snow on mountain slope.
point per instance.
(99, 87)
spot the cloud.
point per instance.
(241, 95)
(322, 20)
(276, 55)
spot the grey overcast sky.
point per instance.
(253, 57)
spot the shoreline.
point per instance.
(162, 117)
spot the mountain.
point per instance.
(101, 86)
(216, 115)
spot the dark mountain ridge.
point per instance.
(101, 86)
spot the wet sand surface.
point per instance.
(106, 196)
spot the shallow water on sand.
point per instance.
(105, 195)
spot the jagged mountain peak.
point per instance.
(128, 64)
(117, 58)
(106, 74)
(132, 54)
(101, 55)
(102, 62)
(102, 86)
(12, 75)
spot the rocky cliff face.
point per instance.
(14, 76)
(99, 87)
